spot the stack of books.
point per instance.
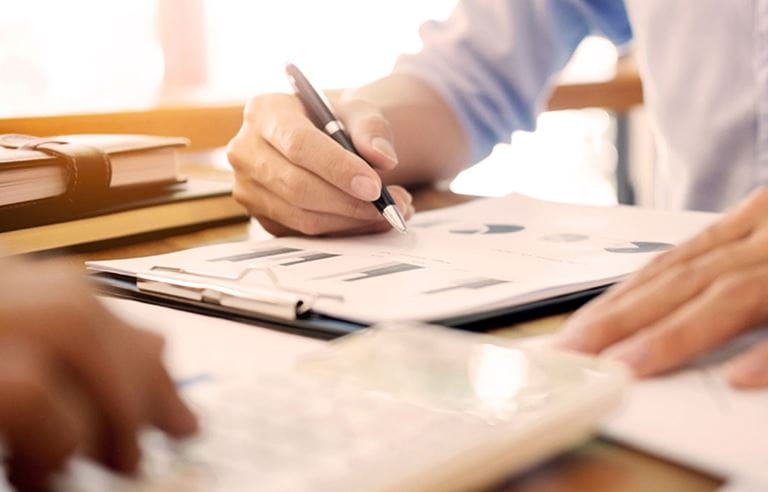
(74, 189)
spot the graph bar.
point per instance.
(384, 270)
(381, 270)
(474, 284)
(641, 247)
(309, 257)
(491, 229)
(254, 255)
(429, 223)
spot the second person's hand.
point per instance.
(294, 178)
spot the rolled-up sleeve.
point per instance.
(494, 60)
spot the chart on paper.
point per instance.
(453, 262)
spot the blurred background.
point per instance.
(83, 56)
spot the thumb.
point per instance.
(370, 131)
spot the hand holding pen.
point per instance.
(321, 115)
(293, 177)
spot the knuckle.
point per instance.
(240, 194)
(248, 199)
(292, 185)
(234, 153)
(256, 105)
(261, 169)
(293, 143)
(671, 345)
(739, 287)
(682, 273)
(659, 261)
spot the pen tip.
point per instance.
(395, 219)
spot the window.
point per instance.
(90, 55)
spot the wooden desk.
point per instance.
(595, 466)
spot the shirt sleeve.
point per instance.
(494, 60)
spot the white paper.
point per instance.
(696, 418)
(453, 262)
(199, 345)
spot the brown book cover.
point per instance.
(53, 179)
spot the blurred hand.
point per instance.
(688, 301)
(295, 179)
(74, 378)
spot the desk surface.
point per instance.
(597, 465)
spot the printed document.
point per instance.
(454, 262)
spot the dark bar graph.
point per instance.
(309, 257)
(254, 255)
(383, 270)
(473, 284)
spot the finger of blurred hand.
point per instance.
(293, 135)
(168, 411)
(106, 374)
(750, 369)
(743, 220)
(85, 339)
(41, 429)
(302, 188)
(370, 131)
(593, 329)
(734, 303)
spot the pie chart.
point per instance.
(491, 229)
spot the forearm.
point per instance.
(429, 140)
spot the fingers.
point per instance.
(103, 369)
(603, 324)
(280, 150)
(732, 304)
(370, 131)
(738, 224)
(295, 137)
(302, 189)
(264, 204)
(750, 370)
(41, 429)
(167, 411)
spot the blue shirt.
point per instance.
(704, 65)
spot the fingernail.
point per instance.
(633, 354)
(384, 147)
(365, 188)
(748, 368)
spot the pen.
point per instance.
(321, 115)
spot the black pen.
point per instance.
(321, 115)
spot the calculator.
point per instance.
(397, 407)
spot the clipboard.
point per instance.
(291, 311)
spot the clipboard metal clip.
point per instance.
(276, 301)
